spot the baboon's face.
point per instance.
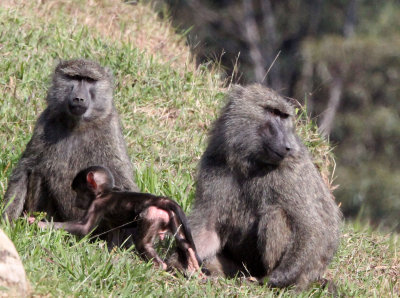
(257, 125)
(84, 193)
(89, 183)
(85, 98)
(81, 96)
(82, 90)
(275, 134)
(84, 197)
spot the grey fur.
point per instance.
(256, 214)
(62, 144)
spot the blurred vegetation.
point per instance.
(339, 57)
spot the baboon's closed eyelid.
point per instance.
(276, 112)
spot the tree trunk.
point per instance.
(351, 18)
(335, 93)
(252, 37)
(271, 48)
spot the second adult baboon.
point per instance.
(79, 127)
(261, 206)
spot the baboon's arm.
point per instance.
(80, 228)
(297, 254)
(15, 195)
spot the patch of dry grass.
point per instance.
(368, 263)
(121, 22)
(319, 147)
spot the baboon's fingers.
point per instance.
(193, 265)
(31, 219)
(160, 264)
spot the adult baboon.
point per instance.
(261, 206)
(79, 127)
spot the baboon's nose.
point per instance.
(78, 99)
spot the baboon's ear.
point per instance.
(109, 74)
(91, 180)
(236, 91)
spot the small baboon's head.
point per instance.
(89, 183)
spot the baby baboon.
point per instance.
(148, 215)
(79, 127)
(261, 206)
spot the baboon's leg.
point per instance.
(146, 234)
(207, 242)
(221, 265)
(273, 236)
(293, 267)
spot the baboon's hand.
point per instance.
(31, 220)
(278, 280)
(40, 224)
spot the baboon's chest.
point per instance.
(60, 162)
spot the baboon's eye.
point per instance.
(284, 115)
(80, 78)
(276, 112)
(89, 80)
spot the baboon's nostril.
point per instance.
(78, 99)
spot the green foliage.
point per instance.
(367, 125)
(58, 264)
(319, 147)
(166, 111)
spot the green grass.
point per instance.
(166, 107)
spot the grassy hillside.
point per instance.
(166, 107)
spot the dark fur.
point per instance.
(62, 144)
(261, 205)
(104, 203)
